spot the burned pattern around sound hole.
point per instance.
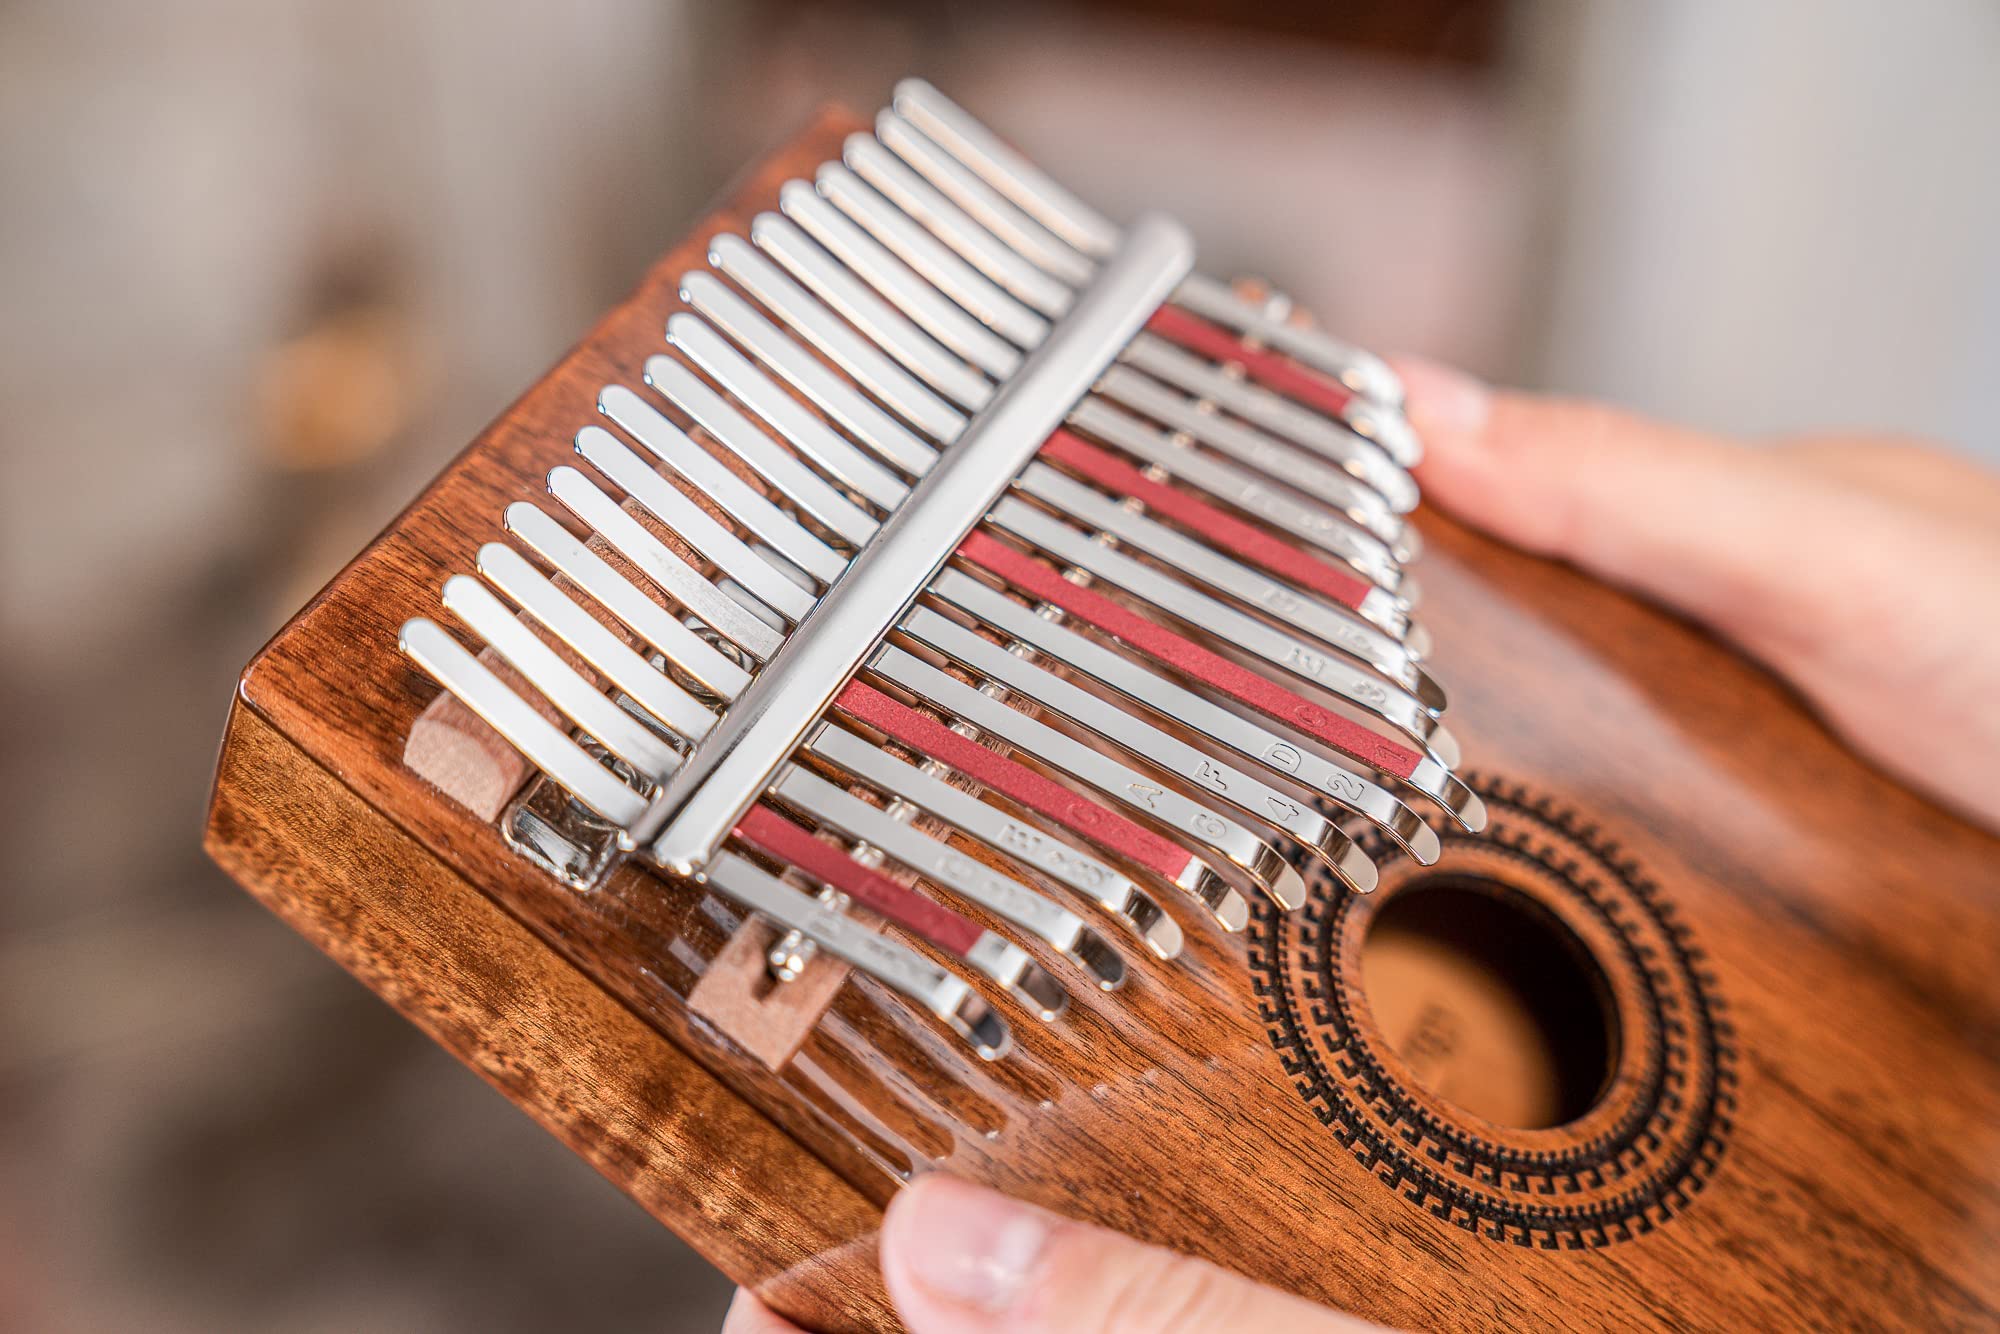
(1631, 1163)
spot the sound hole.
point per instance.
(1492, 1003)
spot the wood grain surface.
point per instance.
(1800, 958)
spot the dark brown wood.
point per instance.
(1798, 958)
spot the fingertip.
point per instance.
(1442, 401)
(747, 1315)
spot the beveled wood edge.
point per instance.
(651, 1120)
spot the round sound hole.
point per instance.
(1492, 1003)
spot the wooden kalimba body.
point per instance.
(932, 682)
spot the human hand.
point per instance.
(1865, 570)
(961, 1259)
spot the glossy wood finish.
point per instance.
(1849, 928)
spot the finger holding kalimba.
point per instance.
(1051, 857)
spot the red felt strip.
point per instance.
(1222, 530)
(1273, 370)
(775, 836)
(1015, 781)
(1182, 654)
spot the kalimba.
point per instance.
(933, 682)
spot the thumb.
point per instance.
(960, 1259)
(1678, 515)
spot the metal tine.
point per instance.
(1225, 676)
(1413, 694)
(869, 424)
(828, 450)
(706, 473)
(1017, 275)
(1051, 857)
(526, 587)
(1235, 539)
(1090, 233)
(687, 716)
(1362, 458)
(831, 805)
(627, 738)
(546, 746)
(552, 751)
(881, 323)
(791, 476)
(1281, 462)
(617, 730)
(1215, 620)
(988, 206)
(664, 501)
(1196, 713)
(1253, 860)
(1255, 498)
(1028, 237)
(940, 991)
(927, 205)
(869, 366)
(1195, 769)
(689, 652)
(856, 248)
(1018, 323)
(672, 575)
(801, 310)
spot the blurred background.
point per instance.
(265, 265)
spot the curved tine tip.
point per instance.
(1042, 992)
(1425, 687)
(1229, 909)
(983, 1028)
(1287, 889)
(1357, 871)
(1156, 927)
(1104, 964)
(1443, 747)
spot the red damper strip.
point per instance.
(775, 836)
(1016, 782)
(1271, 369)
(1182, 654)
(1223, 530)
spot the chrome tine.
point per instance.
(943, 267)
(738, 499)
(908, 291)
(1251, 739)
(793, 479)
(868, 423)
(1363, 459)
(609, 655)
(665, 502)
(881, 323)
(1053, 858)
(1283, 464)
(870, 367)
(615, 593)
(1014, 273)
(1209, 567)
(981, 201)
(1193, 768)
(545, 745)
(674, 576)
(1232, 487)
(618, 731)
(1211, 619)
(1090, 233)
(828, 450)
(890, 962)
(1254, 860)
(941, 865)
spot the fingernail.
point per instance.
(965, 1244)
(1443, 399)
